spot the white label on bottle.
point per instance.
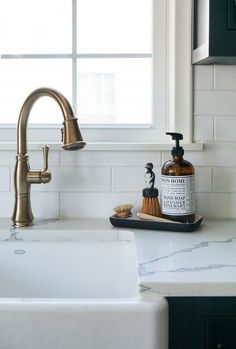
(177, 195)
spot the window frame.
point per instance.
(172, 85)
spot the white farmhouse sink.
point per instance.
(75, 289)
(92, 264)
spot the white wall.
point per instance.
(90, 183)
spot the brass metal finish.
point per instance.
(24, 176)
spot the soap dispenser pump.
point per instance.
(177, 185)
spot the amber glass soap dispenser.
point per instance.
(177, 185)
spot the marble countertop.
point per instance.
(201, 263)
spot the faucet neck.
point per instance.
(26, 108)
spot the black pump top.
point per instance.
(177, 150)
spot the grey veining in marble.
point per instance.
(198, 269)
(146, 269)
(203, 244)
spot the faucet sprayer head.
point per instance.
(71, 136)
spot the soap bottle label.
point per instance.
(177, 195)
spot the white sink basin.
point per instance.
(82, 264)
(75, 289)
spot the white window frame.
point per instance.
(172, 85)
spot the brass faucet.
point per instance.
(24, 176)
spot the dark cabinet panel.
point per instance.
(202, 322)
(231, 15)
(214, 37)
(221, 332)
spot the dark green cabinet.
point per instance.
(221, 332)
(214, 32)
(202, 322)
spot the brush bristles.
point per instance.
(123, 210)
(151, 206)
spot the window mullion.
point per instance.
(114, 55)
(74, 55)
(36, 56)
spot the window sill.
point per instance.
(108, 146)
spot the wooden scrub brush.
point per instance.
(150, 204)
(123, 211)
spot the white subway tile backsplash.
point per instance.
(109, 158)
(225, 77)
(73, 179)
(203, 77)
(225, 127)
(5, 179)
(217, 205)
(203, 128)
(224, 179)
(36, 159)
(215, 103)
(214, 154)
(7, 158)
(45, 205)
(203, 179)
(126, 179)
(7, 202)
(95, 205)
(131, 179)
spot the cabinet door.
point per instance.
(221, 332)
(231, 14)
(202, 322)
(214, 32)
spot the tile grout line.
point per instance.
(111, 179)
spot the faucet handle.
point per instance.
(43, 176)
(45, 157)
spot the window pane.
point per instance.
(114, 91)
(20, 77)
(108, 26)
(35, 26)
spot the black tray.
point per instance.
(137, 223)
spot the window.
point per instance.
(109, 58)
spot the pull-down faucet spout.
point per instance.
(24, 177)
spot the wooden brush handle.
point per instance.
(155, 219)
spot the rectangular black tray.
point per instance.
(137, 223)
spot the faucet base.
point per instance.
(22, 216)
(22, 224)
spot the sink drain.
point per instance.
(19, 252)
